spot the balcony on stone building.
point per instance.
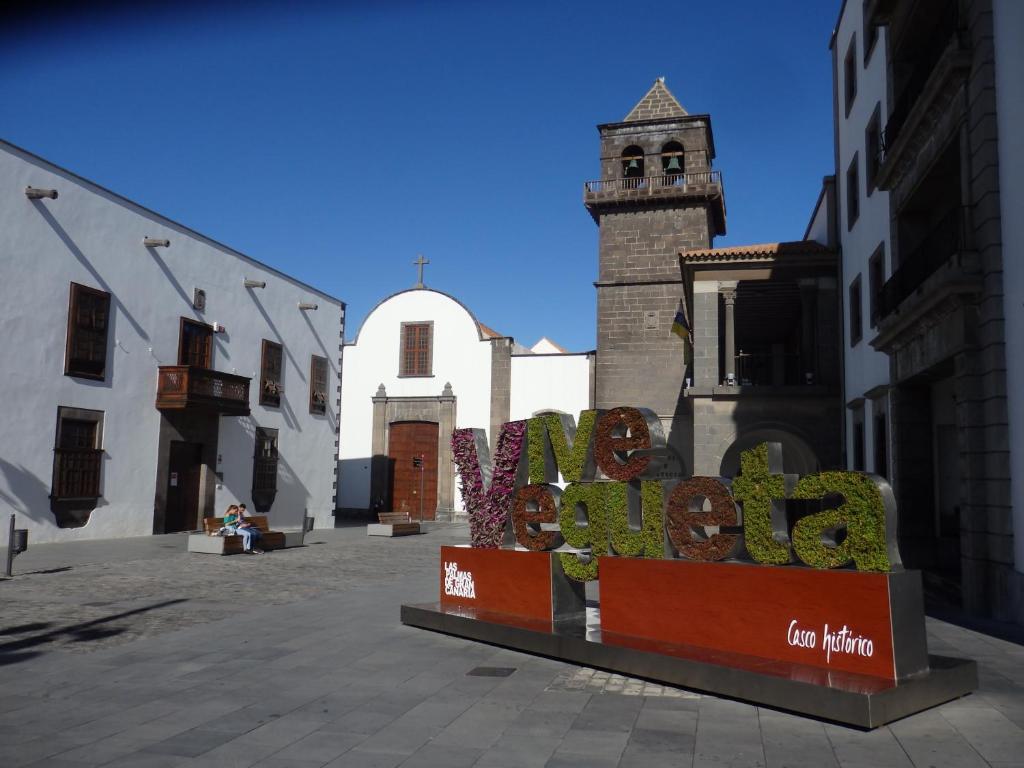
(188, 388)
(603, 194)
(931, 60)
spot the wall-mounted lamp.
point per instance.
(254, 283)
(218, 328)
(156, 242)
(34, 193)
(306, 305)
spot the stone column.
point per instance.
(728, 293)
(379, 449)
(705, 333)
(445, 460)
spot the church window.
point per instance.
(77, 456)
(632, 163)
(270, 375)
(264, 469)
(672, 159)
(417, 349)
(850, 75)
(88, 317)
(852, 193)
(318, 384)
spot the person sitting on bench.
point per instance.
(237, 524)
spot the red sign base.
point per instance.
(520, 583)
(849, 621)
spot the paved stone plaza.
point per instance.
(135, 653)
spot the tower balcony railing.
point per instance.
(672, 183)
(185, 387)
(603, 194)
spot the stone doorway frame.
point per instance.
(437, 408)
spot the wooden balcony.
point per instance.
(184, 387)
(643, 191)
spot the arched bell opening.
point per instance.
(672, 159)
(632, 163)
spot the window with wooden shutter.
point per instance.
(318, 384)
(417, 349)
(88, 319)
(264, 469)
(195, 341)
(271, 388)
(77, 456)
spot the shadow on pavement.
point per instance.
(85, 632)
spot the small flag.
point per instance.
(680, 325)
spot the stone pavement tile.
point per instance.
(636, 756)
(994, 737)
(399, 741)
(795, 742)
(24, 753)
(360, 721)
(598, 744)
(480, 726)
(274, 762)
(442, 756)
(284, 730)
(191, 743)
(663, 741)
(728, 734)
(357, 758)
(609, 712)
(559, 701)
(929, 740)
(320, 745)
(573, 760)
(533, 723)
(658, 719)
(866, 749)
(519, 750)
(140, 760)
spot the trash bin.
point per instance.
(19, 543)
(307, 524)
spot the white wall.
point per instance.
(1008, 22)
(864, 368)
(93, 237)
(460, 358)
(549, 382)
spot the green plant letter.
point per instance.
(592, 535)
(862, 512)
(761, 483)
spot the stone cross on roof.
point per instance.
(420, 262)
(657, 103)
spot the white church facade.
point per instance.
(421, 366)
(153, 375)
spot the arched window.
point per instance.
(632, 163)
(672, 160)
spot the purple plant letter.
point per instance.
(486, 489)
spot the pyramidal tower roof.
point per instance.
(658, 103)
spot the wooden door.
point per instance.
(184, 470)
(411, 443)
(194, 343)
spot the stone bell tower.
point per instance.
(657, 195)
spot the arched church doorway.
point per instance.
(412, 456)
(798, 457)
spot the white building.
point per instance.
(930, 174)
(859, 101)
(154, 375)
(420, 367)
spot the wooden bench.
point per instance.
(392, 524)
(209, 542)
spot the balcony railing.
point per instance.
(946, 35)
(935, 250)
(77, 473)
(183, 387)
(672, 183)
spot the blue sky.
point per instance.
(336, 141)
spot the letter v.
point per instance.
(486, 487)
